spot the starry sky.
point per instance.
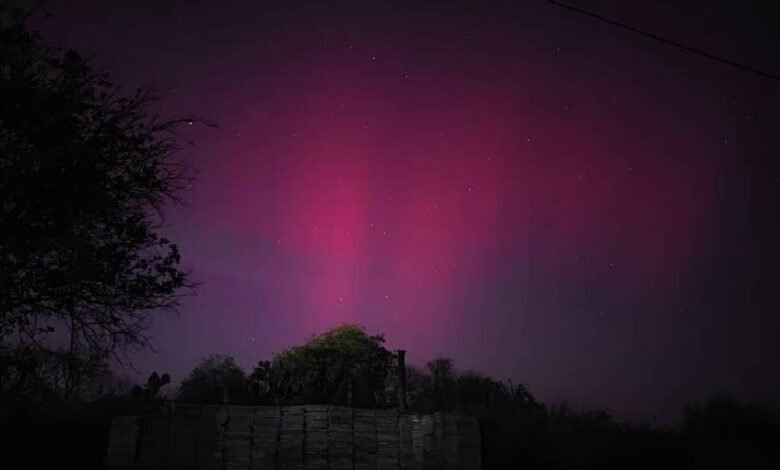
(536, 194)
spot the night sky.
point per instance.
(536, 194)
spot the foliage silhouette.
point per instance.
(516, 429)
(85, 172)
(725, 431)
(342, 366)
(217, 379)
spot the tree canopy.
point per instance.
(85, 172)
(217, 379)
(344, 365)
(350, 367)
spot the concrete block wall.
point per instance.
(311, 437)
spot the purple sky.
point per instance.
(533, 193)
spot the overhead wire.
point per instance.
(670, 42)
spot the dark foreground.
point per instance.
(720, 435)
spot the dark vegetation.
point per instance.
(516, 428)
(84, 173)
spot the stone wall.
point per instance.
(292, 438)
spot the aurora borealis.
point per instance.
(534, 194)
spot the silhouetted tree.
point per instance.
(726, 430)
(218, 379)
(271, 384)
(418, 387)
(84, 174)
(137, 393)
(35, 376)
(476, 393)
(166, 391)
(441, 387)
(344, 365)
(442, 371)
(152, 385)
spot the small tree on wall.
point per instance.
(217, 379)
(344, 366)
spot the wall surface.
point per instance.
(307, 437)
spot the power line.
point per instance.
(666, 41)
